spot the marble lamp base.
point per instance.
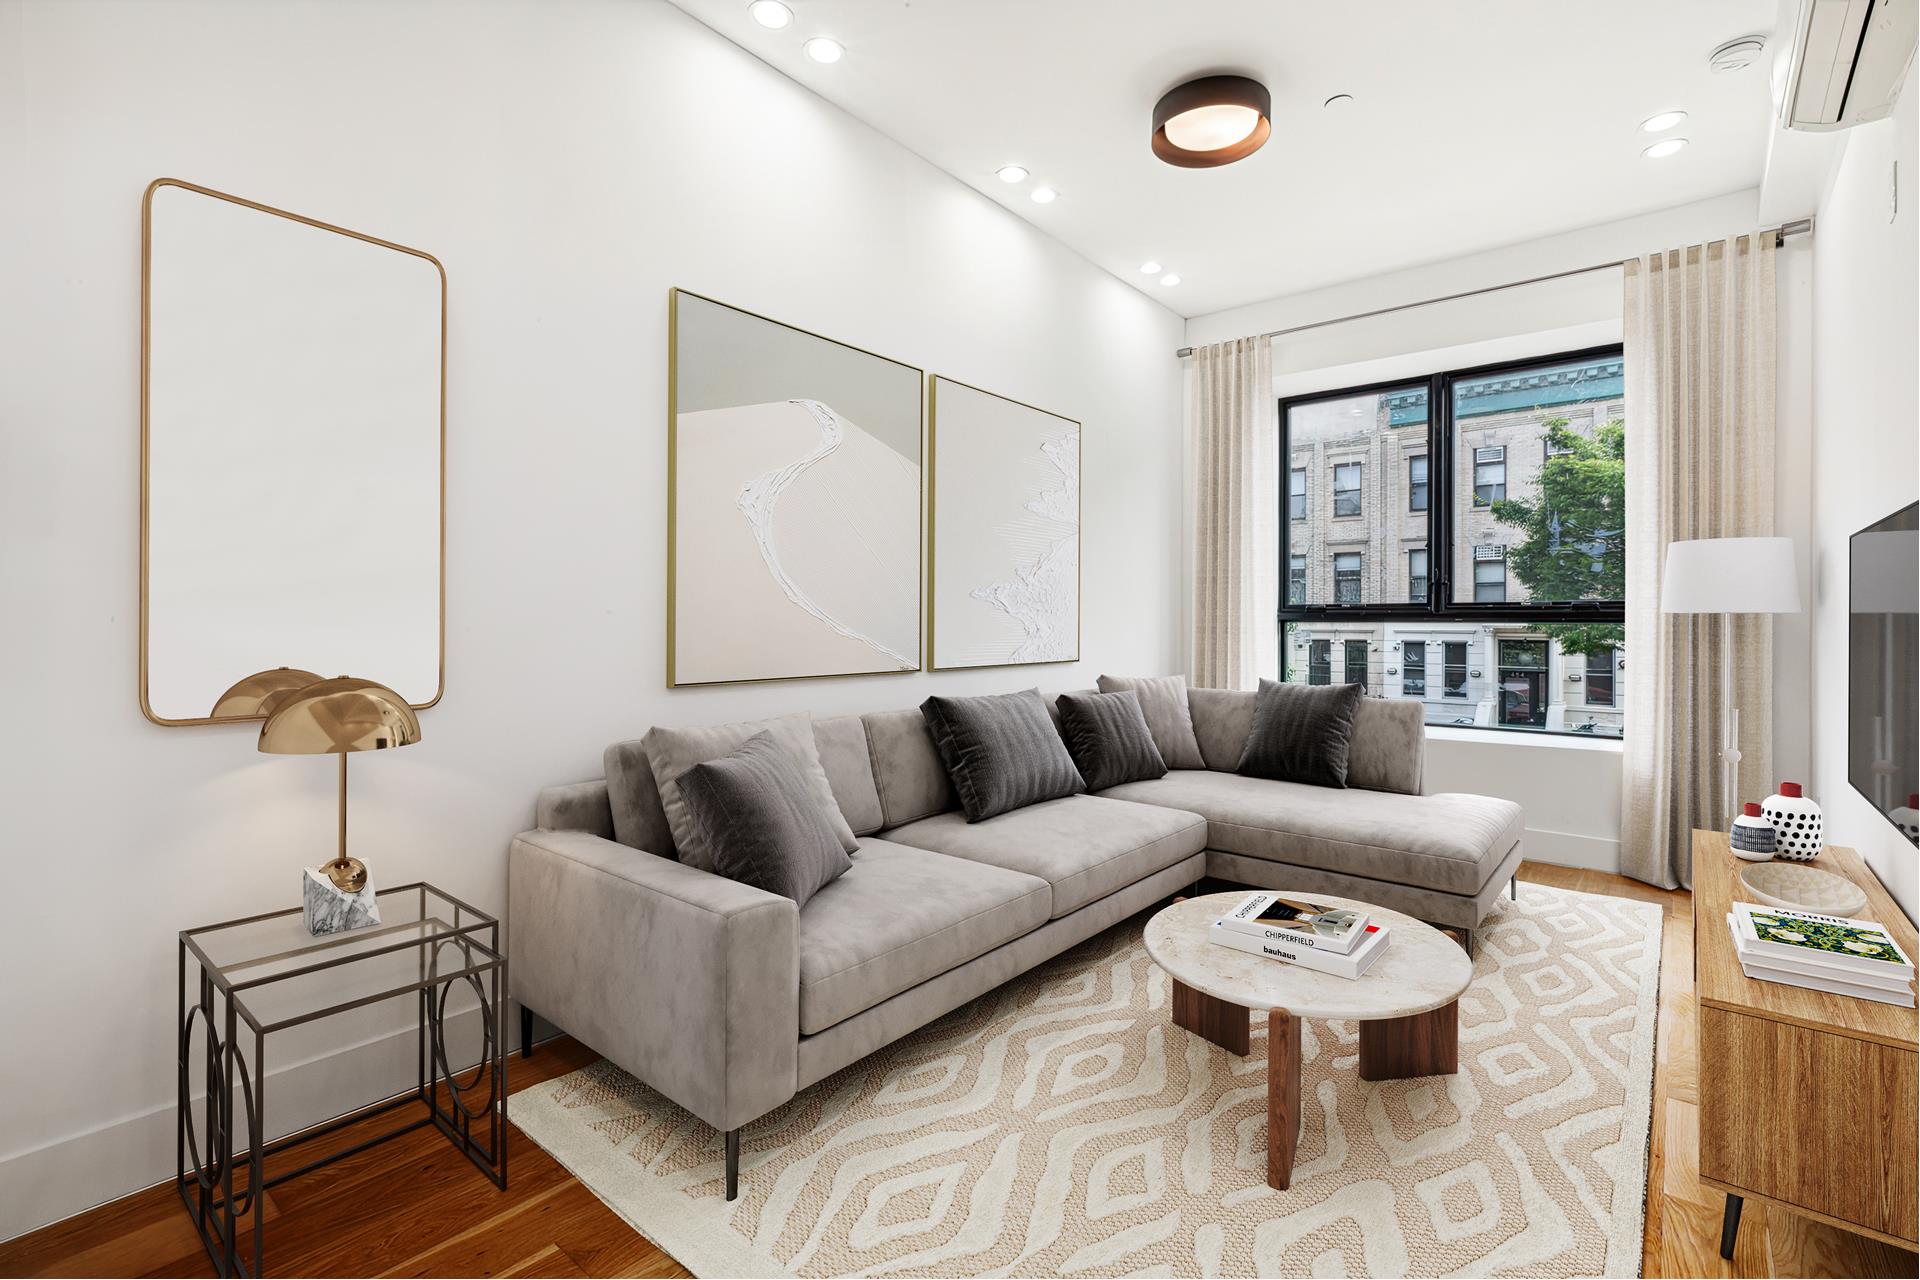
(328, 910)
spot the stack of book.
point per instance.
(1823, 953)
(1312, 935)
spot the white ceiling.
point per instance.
(1474, 124)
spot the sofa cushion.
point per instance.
(1002, 751)
(907, 769)
(1449, 842)
(900, 916)
(842, 743)
(1300, 733)
(1084, 846)
(761, 823)
(1163, 701)
(639, 819)
(1386, 753)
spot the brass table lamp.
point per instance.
(333, 717)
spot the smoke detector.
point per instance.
(1737, 54)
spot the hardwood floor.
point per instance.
(415, 1207)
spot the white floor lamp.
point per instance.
(1728, 576)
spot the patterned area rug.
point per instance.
(1063, 1126)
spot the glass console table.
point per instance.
(264, 974)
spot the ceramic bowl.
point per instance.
(1799, 887)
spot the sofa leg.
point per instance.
(1466, 940)
(1513, 887)
(733, 1164)
(526, 1032)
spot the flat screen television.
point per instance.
(1883, 668)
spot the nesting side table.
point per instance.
(264, 974)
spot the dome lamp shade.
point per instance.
(1212, 121)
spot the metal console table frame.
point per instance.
(267, 972)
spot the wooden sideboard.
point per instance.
(1807, 1100)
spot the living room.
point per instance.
(1327, 684)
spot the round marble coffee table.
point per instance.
(1406, 1004)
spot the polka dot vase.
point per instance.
(1796, 822)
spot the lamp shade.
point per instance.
(1730, 575)
(342, 714)
(248, 696)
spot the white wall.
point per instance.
(568, 162)
(1569, 788)
(1866, 289)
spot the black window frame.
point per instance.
(1440, 606)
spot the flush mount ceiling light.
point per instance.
(1662, 122)
(1737, 54)
(1149, 268)
(1010, 173)
(1044, 195)
(1665, 147)
(1169, 280)
(1212, 121)
(771, 14)
(823, 49)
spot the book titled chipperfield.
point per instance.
(1297, 922)
(1351, 965)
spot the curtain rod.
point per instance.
(1798, 226)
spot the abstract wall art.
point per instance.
(1005, 554)
(793, 502)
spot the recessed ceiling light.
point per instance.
(1662, 122)
(1149, 268)
(1044, 195)
(1010, 173)
(1169, 280)
(1211, 121)
(822, 49)
(1664, 147)
(771, 14)
(1338, 100)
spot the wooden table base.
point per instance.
(1426, 1044)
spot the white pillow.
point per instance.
(1163, 701)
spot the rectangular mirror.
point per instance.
(292, 442)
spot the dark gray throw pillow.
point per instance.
(1301, 733)
(1001, 751)
(1108, 737)
(761, 822)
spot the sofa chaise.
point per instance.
(729, 1000)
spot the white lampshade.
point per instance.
(1730, 575)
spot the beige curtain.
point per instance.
(1232, 417)
(1699, 328)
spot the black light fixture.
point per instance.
(1212, 121)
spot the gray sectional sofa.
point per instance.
(729, 1000)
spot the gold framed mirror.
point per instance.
(292, 456)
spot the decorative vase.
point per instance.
(1797, 823)
(1753, 836)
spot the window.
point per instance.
(1510, 528)
(1346, 489)
(1357, 663)
(1489, 475)
(1413, 669)
(1320, 662)
(1489, 574)
(1346, 578)
(1600, 678)
(1455, 673)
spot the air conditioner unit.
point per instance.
(1849, 59)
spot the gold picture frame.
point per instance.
(146, 443)
(933, 516)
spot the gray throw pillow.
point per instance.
(672, 751)
(1301, 733)
(1001, 751)
(1108, 738)
(761, 821)
(1163, 701)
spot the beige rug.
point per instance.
(1062, 1126)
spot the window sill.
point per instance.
(1522, 738)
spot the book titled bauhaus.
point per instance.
(1351, 965)
(1273, 917)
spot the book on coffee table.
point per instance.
(1297, 922)
(1350, 965)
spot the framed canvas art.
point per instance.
(793, 502)
(1005, 555)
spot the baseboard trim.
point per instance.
(1567, 849)
(46, 1184)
